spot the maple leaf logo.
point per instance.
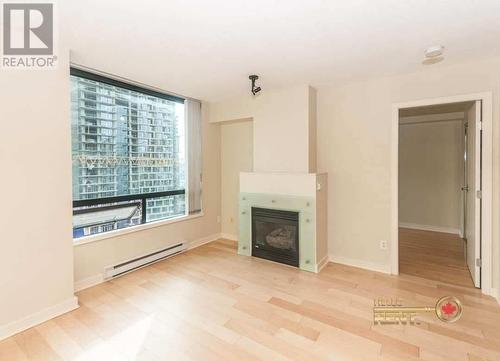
(448, 308)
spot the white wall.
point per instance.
(431, 174)
(92, 258)
(282, 121)
(236, 157)
(36, 251)
(313, 143)
(354, 147)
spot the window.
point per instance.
(130, 155)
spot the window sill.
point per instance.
(140, 227)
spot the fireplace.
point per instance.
(275, 235)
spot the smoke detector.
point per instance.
(434, 51)
(433, 55)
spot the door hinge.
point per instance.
(480, 125)
(479, 262)
(479, 194)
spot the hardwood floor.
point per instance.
(211, 304)
(433, 255)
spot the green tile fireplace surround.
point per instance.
(305, 206)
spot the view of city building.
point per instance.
(124, 142)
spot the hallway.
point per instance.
(433, 255)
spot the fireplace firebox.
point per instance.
(275, 235)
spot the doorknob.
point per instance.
(466, 188)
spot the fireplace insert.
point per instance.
(275, 235)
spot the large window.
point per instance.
(129, 153)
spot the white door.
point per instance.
(473, 186)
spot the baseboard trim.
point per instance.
(204, 240)
(426, 227)
(37, 318)
(89, 282)
(495, 292)
(360, 264)
(321, 264)
(229, 236)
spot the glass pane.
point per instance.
(105, 217)
(276, 235)
(124, 142)
(165, 207)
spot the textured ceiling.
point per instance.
(207, 49)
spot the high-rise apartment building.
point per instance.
(125, 142)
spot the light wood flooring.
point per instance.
(211, 304)
(434, 255)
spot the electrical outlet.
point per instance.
(383, 245)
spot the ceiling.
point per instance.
(206, 49)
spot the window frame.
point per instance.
(102, 79)
(105, 202)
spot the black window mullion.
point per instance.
(131, 197)
(144, 209)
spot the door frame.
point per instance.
(486, 186)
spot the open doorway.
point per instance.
(440, 152)
(483, 187)
(483, 190)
